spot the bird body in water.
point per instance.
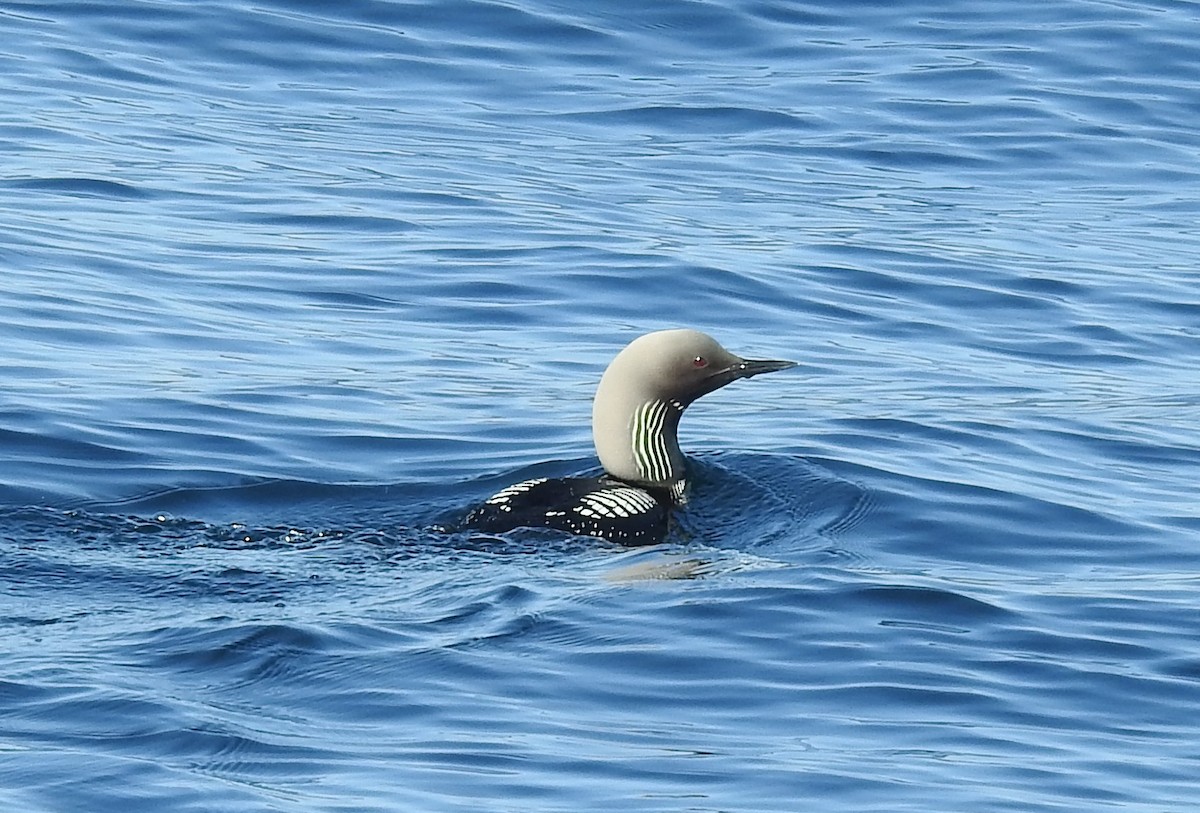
(635, 420)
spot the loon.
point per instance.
(635, 416)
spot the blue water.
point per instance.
(287, 286)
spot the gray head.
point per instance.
(644, 391)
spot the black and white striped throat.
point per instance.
(653, 427)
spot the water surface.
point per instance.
(289, 286)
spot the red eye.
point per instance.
(699, 362)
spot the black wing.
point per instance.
(587, 506)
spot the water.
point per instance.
(288, 285)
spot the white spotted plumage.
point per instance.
(585, 506)
(610, 503)
(504, 496)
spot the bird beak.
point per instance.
(742, 368)
(748, 368)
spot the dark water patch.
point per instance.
(685, 121)
(309, 224)
(246, 654)
(1184, 668)
(83, 187)
(926, 608)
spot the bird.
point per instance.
(635, 419)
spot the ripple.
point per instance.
(926, 607)
(83, 187)
(690, 121)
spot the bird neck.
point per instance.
(638, 443)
